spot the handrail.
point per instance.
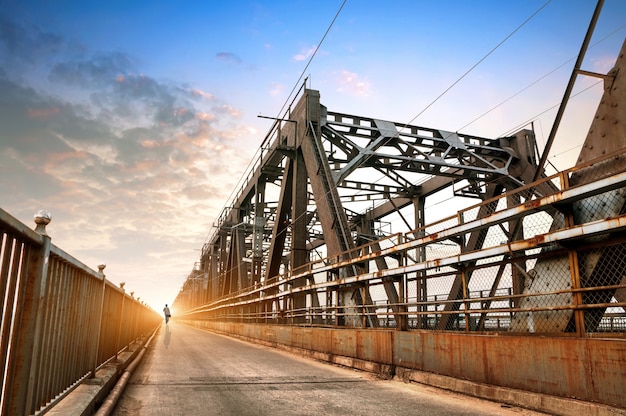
(270, 301)
(61, 321)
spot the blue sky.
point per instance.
(132, 121)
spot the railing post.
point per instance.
(403, 307)
(119, 321)
(99, 327)
(131, 321)
(29, 318)
(577, 297)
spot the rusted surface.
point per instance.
(534, 203)
(588, 369)
(302, 337)
(344, 343)
(375, 346)
(322, 340)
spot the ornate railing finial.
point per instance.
(42, 218)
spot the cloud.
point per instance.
(351, 83)
(276, 88)
(143, 164)
(58, 139)
(101, 70)
(35, 113)
(604, 63)
(228, 57)
(305, 54)
(199, 93)
(26, 43)
(124, 97)
(226, 109)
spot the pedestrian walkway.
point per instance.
(188, 371)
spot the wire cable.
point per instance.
(525, 123)
(296, 84)
(537, 81)
(479, 62)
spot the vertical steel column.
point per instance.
(466, 303)
(258, 231)
(577, 297)
(299, 233)
(421, 289)
(403, 316)
(515, 233)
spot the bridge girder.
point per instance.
(314, 232)
(321, 173)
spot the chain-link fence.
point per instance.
(547, 258)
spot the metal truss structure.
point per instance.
(330, 228)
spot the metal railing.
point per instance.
(61, 321)
(547, 264)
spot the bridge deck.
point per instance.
(190, 371)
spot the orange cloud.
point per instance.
(151, 144)
(199, 93)
(233, 112)
(53, 161)
(205, 116)
(146, 165)
(42, 113)
(180, 111)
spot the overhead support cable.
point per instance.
(278, 117)
(479, 62)
(297, 83)
(528, 121)
(540, 79)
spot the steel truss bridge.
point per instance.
(328, 231)
(326, 250)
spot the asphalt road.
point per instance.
(193, 372)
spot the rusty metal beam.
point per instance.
(281, 223)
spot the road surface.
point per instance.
(188, 371)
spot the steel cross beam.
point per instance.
(391, 147)
(344, 164)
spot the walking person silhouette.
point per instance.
(166, 311)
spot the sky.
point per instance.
(132, 122)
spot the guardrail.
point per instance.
(61, 321)
(549, 264)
